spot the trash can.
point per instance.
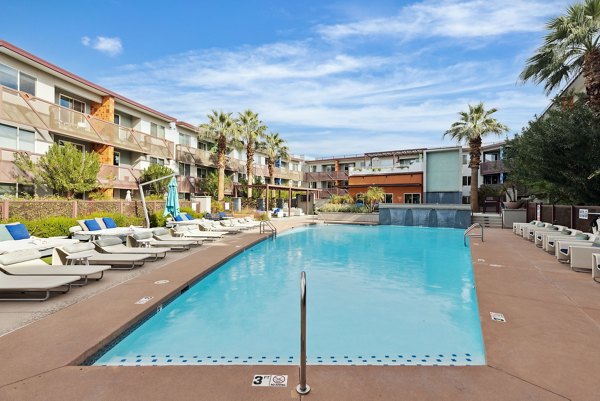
(237, 204)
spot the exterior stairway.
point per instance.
(491, 220)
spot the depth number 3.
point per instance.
(257, 380)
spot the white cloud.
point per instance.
(110, 46)
(457, 19)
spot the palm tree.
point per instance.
(570, 47)
(251, 130)
(471, 127)
(374, 195)
(274, 147)
(223, 129)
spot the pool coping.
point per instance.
(42, 358)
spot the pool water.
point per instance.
(379, 295)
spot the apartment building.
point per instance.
(407, 175)
(492, 170)
(42, 104)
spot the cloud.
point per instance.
(325, 98)
(110, 46)
(452, 19)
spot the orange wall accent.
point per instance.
(105, 110)
(412, 184)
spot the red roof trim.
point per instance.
(77, 78)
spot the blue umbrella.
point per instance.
(172, 204)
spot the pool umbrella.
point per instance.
(172, 204)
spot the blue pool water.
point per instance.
(375, 295)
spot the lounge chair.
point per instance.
(234, 224)
(28, 263)
(145, 240)
(563, 246)
(85, 253)
(114, 245)
(46, 285)
(215, 226)
(581, 256)
(190, 232)
(518, 227)
(15, 237)
(164, 234)
(530, 229)
(550, 240)
(541, 234)
(596, 267)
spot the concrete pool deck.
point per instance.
(545, 351)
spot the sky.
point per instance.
(332, 78)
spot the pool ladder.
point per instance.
(264, 224)
(469, 230)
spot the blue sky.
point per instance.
(332, 78)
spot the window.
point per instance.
(465, 159)
(407, 162)
(201, 172)
(27, 83)
(389, 198)
(185, 140)
(117, 158)
(117, 119)
(157, 130)
(79, 147)
(184, 169)
(312, 185)
(412, 198)
(71, 103)
(466, 200)
(202, 145)
(313, 169)
(466, 180)
(16, 138)
(8, 77)
(156, 160)
(491, 179)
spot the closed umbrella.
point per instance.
(172, 204)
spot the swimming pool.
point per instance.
(379, 295)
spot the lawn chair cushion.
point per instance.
(540, 224)
(80, 247)
(5, 234)
(160, 231)
(189, 217)
(582, 236)
(139, 236)
(18, 231)
(109, 222)
(109, 241)
(596, 243)
(179, 218)
(82, 225)
(100, 223)
(20, 256)
(92, 225)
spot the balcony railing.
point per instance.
(412, 168)
(118, 177)
(494, 167)
(189, 155)
(21, 108)
(327, 176)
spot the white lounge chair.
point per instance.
(164, 234)
(85, 253)
(190, 232)
(596, 267)
(145, 240)
(114, 245)
(581, 256)
(29, 264)
(19, 285)
(562, 247)
(518, 227)
(571, 234)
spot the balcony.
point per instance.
(21, 108)
(189, 155)
(494, 167)
(118, 177)
(412, 168)
(327, 176)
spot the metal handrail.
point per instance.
(303, 388)
(267, 223)
(468, 230)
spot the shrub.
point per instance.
(157, 219)
(191, 212)
(121, 220)
(217, 207)
(49, 226)
(344, 208)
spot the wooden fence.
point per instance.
(36, 209)
(564, 215)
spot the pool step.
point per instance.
(487, 220)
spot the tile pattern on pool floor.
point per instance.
(464, 359)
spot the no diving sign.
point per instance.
(269, 381)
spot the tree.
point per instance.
(210, 185)
(471, 128)
(373, 196)
(223, 129)
(570, 47)
(153, 172)
(64, 170)
(251, 130)
(553, 156)
(275, 148)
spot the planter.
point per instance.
(512, 205)
(350, 218)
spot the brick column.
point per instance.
(104, 111)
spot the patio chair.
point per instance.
(581, 256)
(550, 240)
(29, 264)
(596, 267)
(540, 235)
(145, 240)
(164, 234)
(530, 229)
(190, 232)
(518, 227)
(113, 245)
(19, 285)
(215, 226)
(85, 253)
(563, 246)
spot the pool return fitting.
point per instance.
(303, 388)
